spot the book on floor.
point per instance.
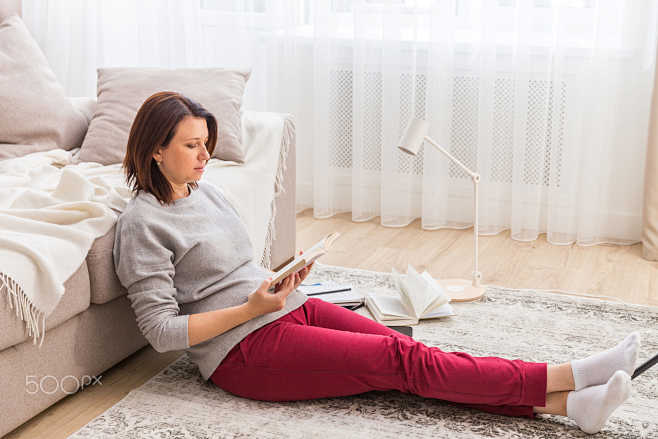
(324, 287)
(406, 330)
(319, 249)
(340, 294)
(420, 297)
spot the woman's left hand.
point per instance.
(303, 272)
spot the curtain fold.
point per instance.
(650, 211)
(549, 100)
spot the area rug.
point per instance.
(529, 325)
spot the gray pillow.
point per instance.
(121, 91)
(35, 114)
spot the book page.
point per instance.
(292, 267)
(389, 306)
(323, 287)
(415, 292)
(444, 310)
(440, 297)
(393, 305)
(343, 297)
(318, 249)
(404, 295)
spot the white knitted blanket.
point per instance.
(52, 210)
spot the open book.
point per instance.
(319, 249)
(421, 297)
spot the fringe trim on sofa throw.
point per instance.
(25, 309)
(287, 140)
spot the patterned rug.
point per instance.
(532, 326)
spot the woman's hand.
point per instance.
(262, 301)
(304, 272)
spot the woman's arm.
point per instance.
(144, 267)
(206, 325)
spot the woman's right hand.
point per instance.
(262, 301)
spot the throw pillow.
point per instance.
(121, 91)
(35, 114)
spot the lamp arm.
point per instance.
(477, 276)
(453, 158)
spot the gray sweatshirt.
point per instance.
(189, 257)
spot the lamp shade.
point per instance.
(414, 136)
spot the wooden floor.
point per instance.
(617, 272)
(604, 270)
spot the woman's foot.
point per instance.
(598, 368)
(591, 406)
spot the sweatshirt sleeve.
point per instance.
(145, 268)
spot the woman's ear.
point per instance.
(157, 155)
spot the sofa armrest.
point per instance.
(284, 244)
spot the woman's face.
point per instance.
(186, 156)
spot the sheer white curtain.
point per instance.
(547, 99)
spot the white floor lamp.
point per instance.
(459, 290)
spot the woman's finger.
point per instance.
(267, 283)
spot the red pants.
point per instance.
(322, 350)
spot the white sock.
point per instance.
(591, 406)
(596, 369)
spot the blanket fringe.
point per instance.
(25, 309)
(286, 141)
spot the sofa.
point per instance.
(93, 326)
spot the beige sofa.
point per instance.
(93, 326)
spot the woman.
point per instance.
(186, 260)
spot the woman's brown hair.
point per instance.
(154, 126)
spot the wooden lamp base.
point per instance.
(461, 290)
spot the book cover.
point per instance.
(319, 249)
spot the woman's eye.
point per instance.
(205, 145)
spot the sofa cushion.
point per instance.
(36, 115)
(86, 106)
(122, 91)
(105, 285)
(76, 299)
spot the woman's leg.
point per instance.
(559, 378)
(589, 405)
(556, 404)
(290, 360)
(559, 382)
(323, 314)
(317, 312)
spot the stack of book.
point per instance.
(343, 295)
(339, 294)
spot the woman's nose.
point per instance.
(205, 155)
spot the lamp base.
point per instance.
(461, 290)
